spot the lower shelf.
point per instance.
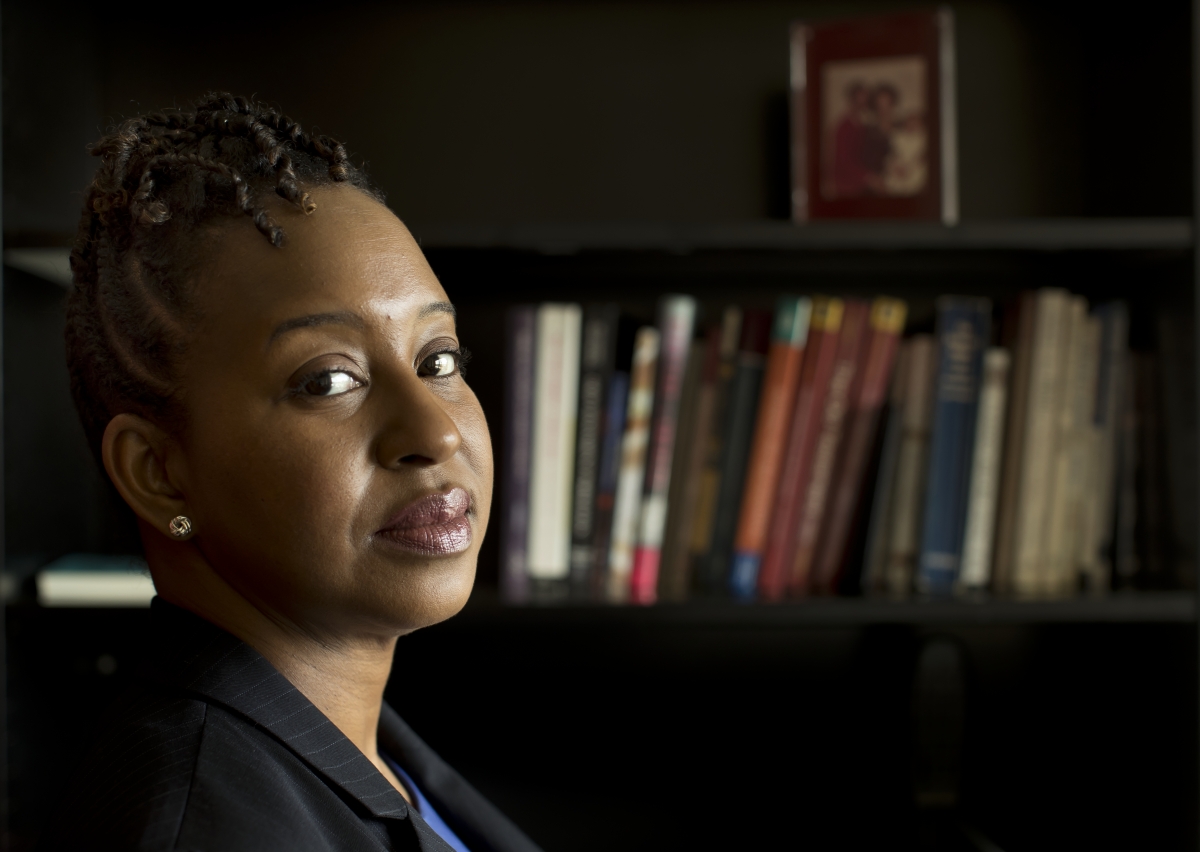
(1134, 607)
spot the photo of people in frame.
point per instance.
(873, 127)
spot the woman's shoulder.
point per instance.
(171, 771)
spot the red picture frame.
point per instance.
(873, 118)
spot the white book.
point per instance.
(93, 580)
(1035, 490)
(627, 508)
(983, 496)
(552, 457)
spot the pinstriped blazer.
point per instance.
(213, 750)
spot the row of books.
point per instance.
(813, 451)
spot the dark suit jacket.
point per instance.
(213, 750)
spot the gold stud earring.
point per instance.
(180, 526)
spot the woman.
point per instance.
(269, 371)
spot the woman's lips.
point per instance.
(433, 525)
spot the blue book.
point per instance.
(963, 330)
(606, 476)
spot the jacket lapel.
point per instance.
(221, 668)
(482, 827)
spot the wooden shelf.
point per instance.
(1174, 234)
(1133, 608)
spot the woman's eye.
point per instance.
(439, 365)
(329, 383)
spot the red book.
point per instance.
(815, 373)
(866, 403)
(825, 452)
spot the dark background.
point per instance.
(632, 730)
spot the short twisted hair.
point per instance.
(165, 180)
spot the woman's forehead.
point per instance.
(350, 254)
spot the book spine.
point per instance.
(885, 481)
(1066, 493)
(522, 321)
(1177, 370)
(714, 445)
(597, 360)
(1109, 426)
(1084, 444)
(948, 100)
(677, 318)
(1125, 566)
(815, 371)
(1003, 560)
(1047, 371)
(606, 486)
(829, 438)
(982, 499)
(866, 405)
(911, 468)
(628, 505)
(788, 336)
(673, 578)
(964, 326)
(556, 386)
(682, 557)
(743, 404)
(798, 110)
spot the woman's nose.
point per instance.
(418, 428)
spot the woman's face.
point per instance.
(338, 469)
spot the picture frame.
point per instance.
(873, 118)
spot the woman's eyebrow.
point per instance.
(310, 320)
(437, 308)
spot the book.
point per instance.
(518, 419)
(836, 405)
(780, 379)
(963, 330)
(1108, 421)
(1177, 371)
(597, 360)
(95, 580)
(873, 118)
(676, 320)
(879, 521)
(867, 395)
(735, 451)
(714, 444)
(627, 506)
(908, 497)
(1072, 445)
(606, 480)
(1152, 524)
(552, 474)
(1046, 387)
(1019, 328)
(978, 534)
(816, 369)
(679, 552)
(673, 579)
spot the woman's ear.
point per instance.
(135, 455)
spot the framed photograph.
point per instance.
(873, 123)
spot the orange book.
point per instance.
(775, 405)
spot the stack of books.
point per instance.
(816, 450)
